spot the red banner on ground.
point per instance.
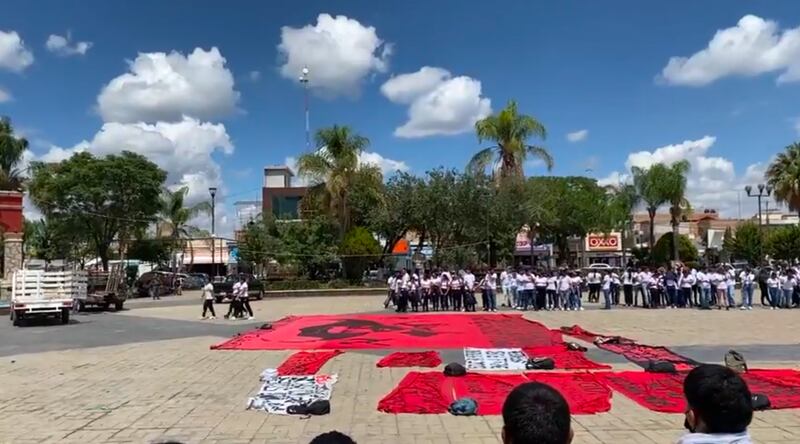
(661, 392)
(306, 363)
(395, 331)
(565, 358)
(411, 359)
(433, 392)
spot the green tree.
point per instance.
(359, 249)
(173, 221)
(398, 210)
(11, 150)
(662, 251)
(331, 167)
(783, 243)
(674, 189)
(41, 241)
(310, 244)
(102, 197)
(510, 132)
(157, 251)
(623, 200)
(783, 175)
(748, 243)
(259, 244)
(648, 183)
(728, 244)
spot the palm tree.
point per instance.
(174, 217)
(624, 199)
(648, 184)
(332, 167)
(674, 189)
(510, 132)
(783, 175)
(11, 151)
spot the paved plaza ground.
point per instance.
(147, 374)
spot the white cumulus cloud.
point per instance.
(754, 46)
(5, 96)
(166, 87)
(14, 56)
(712, 180)
(439, 104)
(387, 166)
(339, 52)
(183, 149)
(64, 46)
(578, 136)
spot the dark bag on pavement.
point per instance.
(660, 367)
(761, 402)
(735, 361)
(266, 326)
(574, 346)
(454, 369)
(316, 408)
(540, 364)
(463, 407)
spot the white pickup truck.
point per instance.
(45, 293)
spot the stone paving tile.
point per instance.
(179, 389)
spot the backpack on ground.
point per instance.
(319, 407)
(654, 366)
(463, 407)
(735, 361)
(542, 363)
(454, 369)
(761, 402)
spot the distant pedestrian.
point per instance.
(154, 288)
(208, 300)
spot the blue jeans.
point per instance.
(576, 299)
(705, 296)
(514, 297)
(787, 298)
(747, 295)
(607, 298)
(566, 298)
(491, 298)
(645, 295)
(672, 296)
(774, 296)
(731, 291)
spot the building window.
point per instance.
(286, 207)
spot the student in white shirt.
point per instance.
(718, 281)
(606, 287)
(244, 296)
(505, 285)
(644, 286)
(208, 300)
(527, 285)
(577, 291)
(704, 279)
(730, 281)
(788, 282)
(235, 306)
(444, 291)
(490, 291)
(564, 290)
(774, 289)
(594, 280)
(552, 295)
(426, 289)
(748, 279)
(541, 292)
(615, 287)
(627, 286)
(686, 281)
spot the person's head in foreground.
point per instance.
(332, 437)
(535, 413)
(719, 406)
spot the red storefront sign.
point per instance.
(604, 242)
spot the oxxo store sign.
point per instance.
(604, 242)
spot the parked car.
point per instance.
(224, 290)
(146, 280)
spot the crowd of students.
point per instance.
(678, 287)
(719, 411)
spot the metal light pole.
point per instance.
(213, 192)
(763, 191)
(304, 80)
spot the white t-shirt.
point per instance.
(773, 283)
(243, 290)
(504, 281)
(491, 281)
(527, 282)
(469, 280)
(747, 278)
(788, 283)
(564, 283)
(627, 278)
(730, 277)
(208, 292)
(615, 278)
(541, 281)
(687, 281)
(577, 281)
(593, 277)
(551, 283)
(606, 282)
(704, 279)
(235, 289)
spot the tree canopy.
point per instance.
(12, 148)
(99, 196)
(783, 175)
(662, 251)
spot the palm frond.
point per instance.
(481, 160)
(541, 153)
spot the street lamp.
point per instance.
(213, 192)
(304, 81)
(763, 191)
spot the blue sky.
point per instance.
(574, 65)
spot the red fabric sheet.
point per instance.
(565, 358)
(306, 363)
(432, 392)
(639, 354)
(662, 392)
(395, 331)
(411, 359)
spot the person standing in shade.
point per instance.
(541, 292)
(671, 283)
(208, 300)
(606, 287)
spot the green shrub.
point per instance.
(359, 249)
